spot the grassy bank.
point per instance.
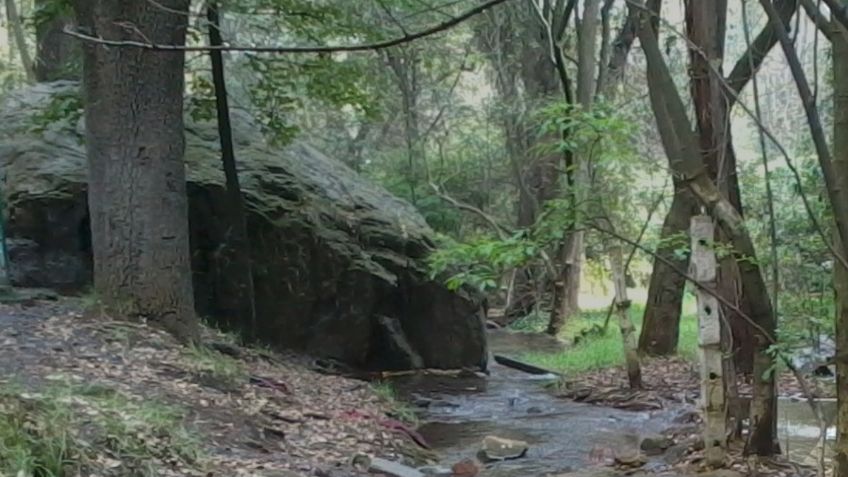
(600, 351)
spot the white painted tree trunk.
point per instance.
(709, 341)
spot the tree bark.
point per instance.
(136, 174)
(239, 266)
(686, 162)
(58, 56)
(661, 321)
(706, 24)
(840, 279)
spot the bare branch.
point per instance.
(757, 51)
(380, 45)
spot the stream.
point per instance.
(458, 413)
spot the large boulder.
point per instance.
(339, 263)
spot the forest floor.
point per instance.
(86, 395)
(596, 362)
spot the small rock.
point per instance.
(655, 445)
(436, 471)
(422, 402)
(498, 448)
(630, 458)
(675, 454)
(534, 410)
(465, 468)
(394, 469)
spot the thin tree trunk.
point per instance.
(709, 341)
(136, 173)
(567, 286)
(661, 321)
(17, 29)
(625, 324)
(239, 263)
(686, 161)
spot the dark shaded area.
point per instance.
(332, 254)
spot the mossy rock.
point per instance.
(332, 252)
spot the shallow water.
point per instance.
(798, 429)
(562, 434)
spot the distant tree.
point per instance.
(57, 55)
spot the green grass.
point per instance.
(69, 429)
(399, 409)
(224, 371)
(596, 351)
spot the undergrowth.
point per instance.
(590, 349)
(69, 429)
(215, 368)
(400, 409)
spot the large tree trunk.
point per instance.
(58, 55)
(840, 279)
(135, 144)
(661, 321)
(686, 161)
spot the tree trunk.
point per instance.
(840, 279)
(58, 56)
(404, 64)
(239, 267)
(568, 282)
(625, 324)
(661, 321)
(687, 163)
(706, 24)
(709, 341)
(135, 144)
(17, 29)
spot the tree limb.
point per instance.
(756, 53)
(380, 45)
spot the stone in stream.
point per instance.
(436, 471)
(393, 469)
(498, 448)
(339, 264)
(655, 445)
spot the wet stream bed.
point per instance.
(563, 435)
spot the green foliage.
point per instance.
(596, 351)
(48, 10)
(65, 429)
(401, 410)
(219, 369)
(63, 108)
(36, 436)
(480, 262)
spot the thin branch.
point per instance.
(835, 194)
(502, 230)
(380, 45)
(756, 53)
(764, 151)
